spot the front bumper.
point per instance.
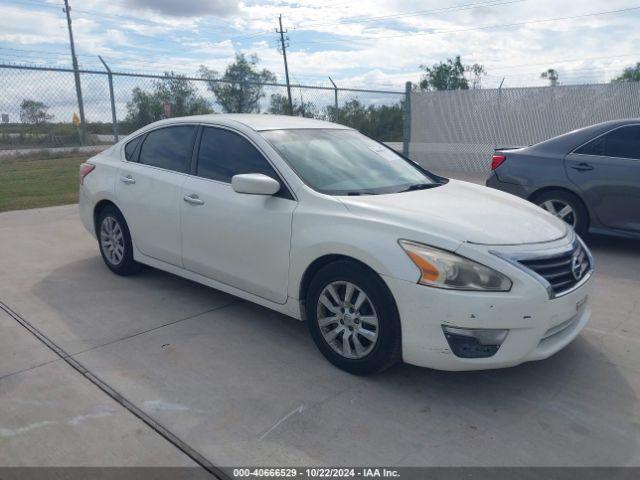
(538, 326)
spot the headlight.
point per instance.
(442, 269)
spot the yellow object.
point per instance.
(429, 272)
(75, 119)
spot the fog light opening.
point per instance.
(474, 342)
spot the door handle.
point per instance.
(193, 199)
(582, 167)
(128, 179)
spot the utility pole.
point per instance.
(286, 67)
(76, 73)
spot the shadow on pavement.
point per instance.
(244, 385)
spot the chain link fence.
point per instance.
(459, 130)
(449, 130)
(39, 106)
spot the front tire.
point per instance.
(115, 243)
(566, 206)
(353, 318)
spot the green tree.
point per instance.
(143, 109)
(477, 71)
(630, 74)
(240, 89)
(382, 122)
(552, 76)
(176, 91)
(34, 112)
(279, 105)
(182, 96)
(450, 75)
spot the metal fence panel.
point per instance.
(458, 130)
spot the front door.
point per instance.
(237, 239)
(607, 172)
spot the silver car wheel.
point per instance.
(560, 209)
(112, 240)
(347, 319)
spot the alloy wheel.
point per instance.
(112, 240)
(347, 319)
(561, 209)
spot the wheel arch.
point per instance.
(315, 266)
(549, 188)
(99, 207)
(570, 191)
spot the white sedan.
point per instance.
(384, 260)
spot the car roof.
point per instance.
(569, 141)
(255, 121)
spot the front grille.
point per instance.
(562, 271)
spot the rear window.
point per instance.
(169, 148)
(130, 148)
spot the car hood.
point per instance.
(463, 212)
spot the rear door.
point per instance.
(237, 239)
(148, 190)
(607, 172)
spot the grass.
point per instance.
(38, 182)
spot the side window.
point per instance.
(224, 154)
(130, 148)
(622, 143)
(594, 147)
(168, 148)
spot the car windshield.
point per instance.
(345, 162)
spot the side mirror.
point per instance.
(255, 184)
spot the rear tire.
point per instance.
(115, 243)
(348, 301)
(558, 202)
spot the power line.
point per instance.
(499, 25)
(262, 33)
(117, 17)
(414, 13)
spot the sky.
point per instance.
(371, 44)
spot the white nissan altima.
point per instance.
(383, 260)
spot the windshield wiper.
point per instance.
(419, 186)
(356, 194)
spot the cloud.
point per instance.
(324, 38)
(191, 8)
(30, 28)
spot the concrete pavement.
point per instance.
(243, 385)
(51, 415)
